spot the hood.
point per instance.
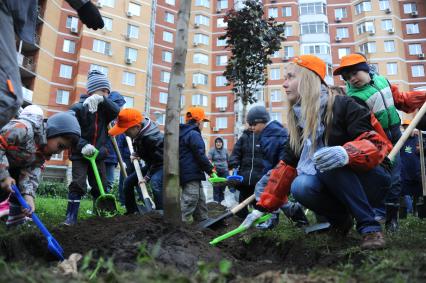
(186, 128)
(218, 139)
(274, 129)
(117, 98)
(83, 97)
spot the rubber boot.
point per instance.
(72, 209)
(391, 223)
(402, 213)
(294, 211)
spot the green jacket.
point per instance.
(377, 95)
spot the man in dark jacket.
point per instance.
(193, 162)
(219, 157)
(148, 142)
(94, 112)
(247, 158)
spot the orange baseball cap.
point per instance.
(312, 63)
(127, 118)
(347, 61)
(197, 114)
(406, 122)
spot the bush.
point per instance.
(53, 189)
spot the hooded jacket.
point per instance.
(410, 161)
(112, 158)
(219, 156)
(149, 145)
(193, 161)
(272, 140)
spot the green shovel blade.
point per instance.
(216, 179)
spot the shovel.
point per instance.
(235, 178)
(52, 244)
(105, 204)
(421, 206)
(212, 222)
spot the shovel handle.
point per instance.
(243, 204)
(118, 153)
(422, 162)
(92, 160)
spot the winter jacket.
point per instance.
(193, 161)
(123, 147)
(112, 157)
(94, 129)
(219, 156)
(148, 145)
(410, 160)
(20, 149)
(272, 140)
(247, 155)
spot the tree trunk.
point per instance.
(171, 194)
(244, 114)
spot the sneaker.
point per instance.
(373, 241)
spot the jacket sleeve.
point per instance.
(408, 101)
(154, 145)
(110, 109)
(236, 155)
(29, 179)
(77, 4)
(198, 149)
(210, 155)
(81, 142)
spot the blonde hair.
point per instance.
(309, 89)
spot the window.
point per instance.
(221, 101)
(132, 31)
(273, 12)
(384, 4)
(277, 116)
(409, 8)
(200, 79)
(62, 96)
(275, 95)
(202, 3)
(201, 38)
(165, 77)
(340, 13)
(387, 24)
(101, 46)
(362, 7)
(342, 32)
(108, 3)
(222, 122)
(72, 22)
(323, 49)
(418, 71)
(199, 100)
(415, 49)
(286, 11)
(131, 54)
(389, 46)
(222, 4)
(312, 9)
(167, 56)
(221, 60)
(221, 23)
(314, 28)
(169, 17)
(65, 71)
(288, 31)
(129, 78)
(289, 51)
(107, 23)
(412, 28)
(161, 118)
(129, 102)
(221, 81)
(202, 20)
(167, 36)
(276, 54)
(220, 42)
(391, 68)
(200, 58)
(171, 2)
(102, 69)
(163, 97)
(182, 101)
(258, 95)
(275, 74)
(365, 27)
(343, 52)
(134, 9)
(368, 47)
(69, 46)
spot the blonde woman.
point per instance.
(333, 156)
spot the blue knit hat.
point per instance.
(97, 80)
(258, 114)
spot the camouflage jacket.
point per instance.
(20, 149)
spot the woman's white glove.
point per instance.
(251, 218)
(93, 101)
(88, 150)
(328, 158)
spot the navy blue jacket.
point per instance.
(410, 160)
(123, 147)
(193, 161)
(272, 140)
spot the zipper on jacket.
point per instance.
(252, 160)
(384, 103)
(96, 129)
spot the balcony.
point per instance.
(40, 15)
(26, 66)
(27, 47)
(27, 94)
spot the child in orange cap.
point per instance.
(148, 143)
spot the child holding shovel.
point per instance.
(94, 112)
(25, 144)
(148, 142)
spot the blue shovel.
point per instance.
(52, 244)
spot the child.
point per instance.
(193, 162)
(94, 112)
(219, 156)
(148, 143)
(333, 156)
(374, 92)
(25, 144)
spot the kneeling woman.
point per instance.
(333, 158)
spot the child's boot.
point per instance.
(72, 209)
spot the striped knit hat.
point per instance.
(97, 80)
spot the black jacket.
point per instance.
(272, 140)
(94, 129)
(247, 155)
(149, 145)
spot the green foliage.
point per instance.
(251, 39)
(207, 271)
(52, 189)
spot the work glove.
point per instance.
(90, 16)
(253, 216)
(88, 150)
(93, 101)
(328, 158)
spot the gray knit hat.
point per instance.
(62, 123)
(97, 80)
(258, 114)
